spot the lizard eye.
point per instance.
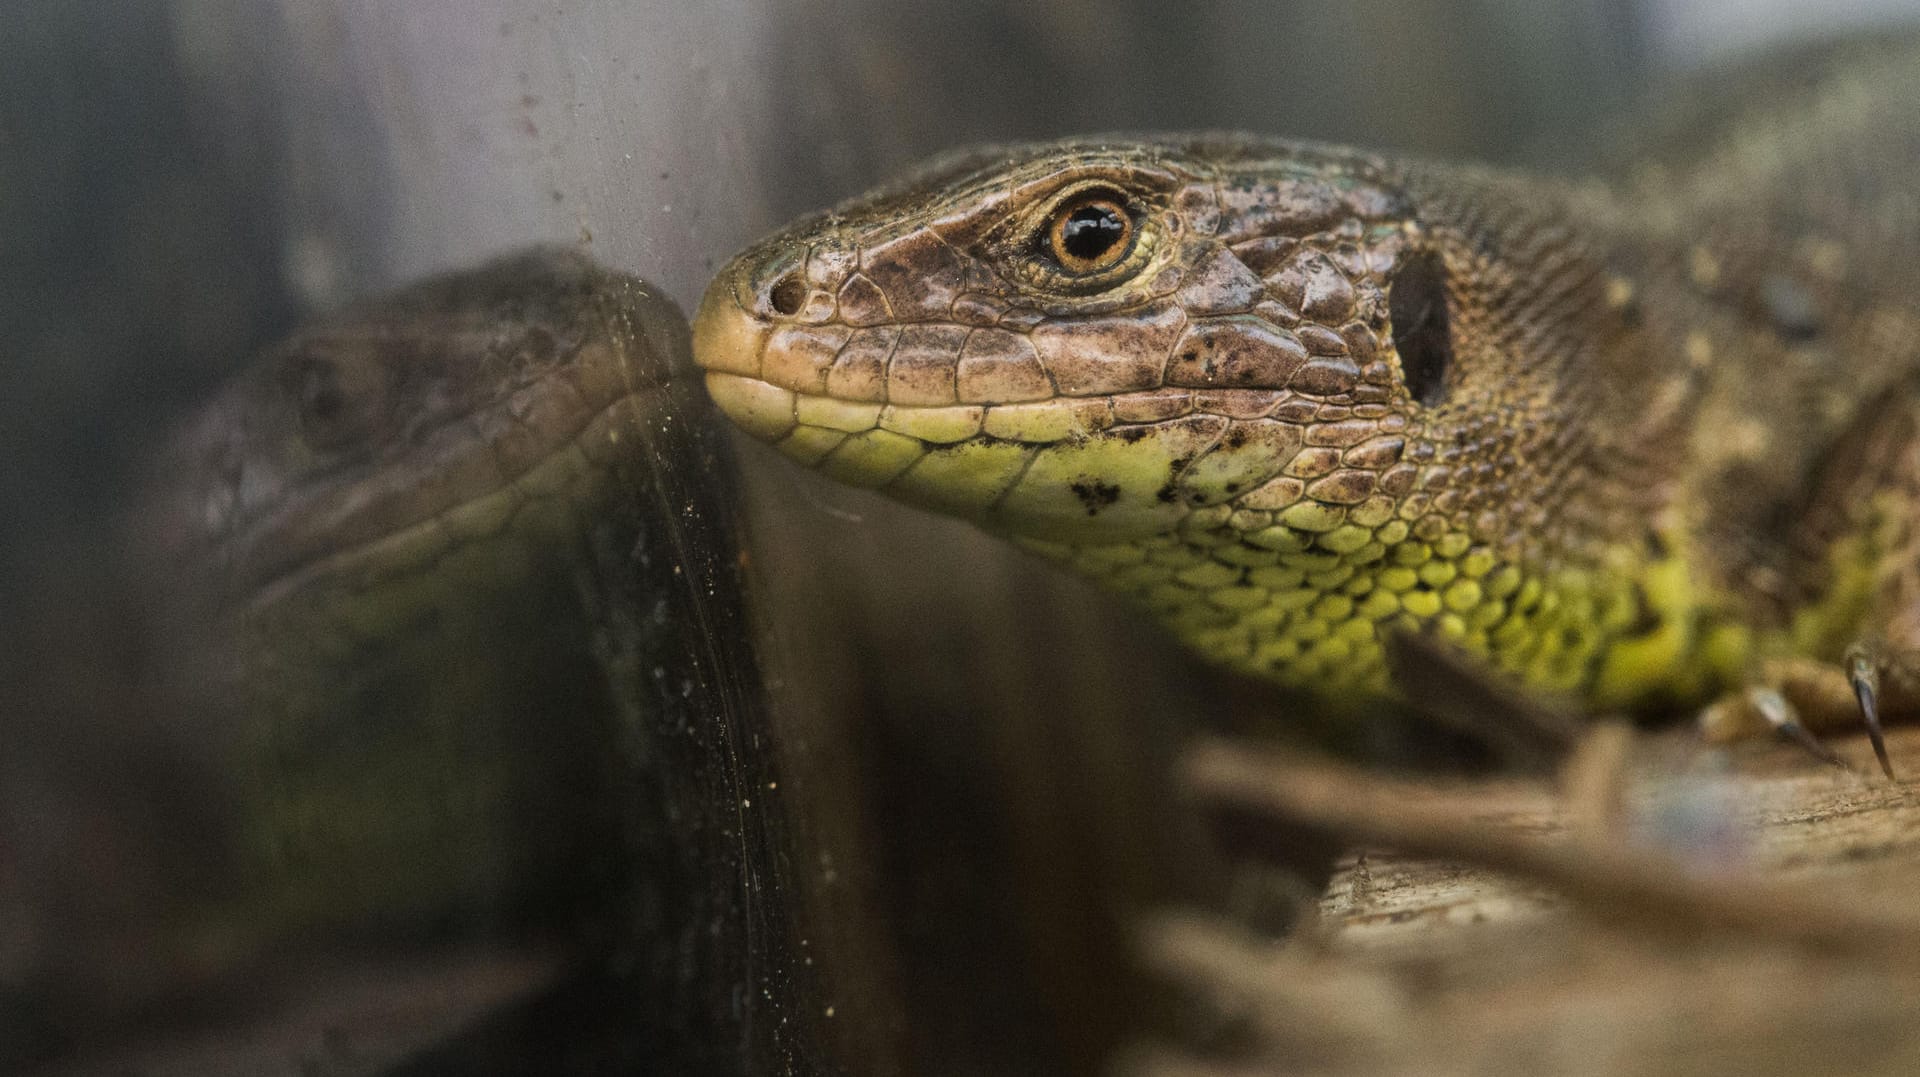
(1090, 233)
(335, 400)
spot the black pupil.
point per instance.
(1092, 231)
(321, 399)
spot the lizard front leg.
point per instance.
(1868, 600)
(1883, 667)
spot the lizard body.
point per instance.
(1628, 438)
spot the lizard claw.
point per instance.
(1864, 674)
(1782, 716)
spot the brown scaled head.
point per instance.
(373, 441)
(1081, 342)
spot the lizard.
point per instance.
(441, 591)
(363, 553)
(1640, 439)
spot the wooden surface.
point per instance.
(1679, 911)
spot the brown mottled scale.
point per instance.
(1633, 438)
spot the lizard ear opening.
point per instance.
(1422, 335)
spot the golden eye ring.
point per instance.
(1090, 234)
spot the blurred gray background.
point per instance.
(973, 744)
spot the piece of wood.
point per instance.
(1746, 911)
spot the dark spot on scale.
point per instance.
(1236, 438)
(539, 344)
(1095, 495)
(1166, 494)
(1189, 356)
(1792, 309)
(1232, 488)
(1646, 620)
(1632, 314)
(1131, 434)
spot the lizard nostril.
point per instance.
(788, 295)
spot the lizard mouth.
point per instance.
(986, 441)
(422, 456)
(489, 480)
(410, 535)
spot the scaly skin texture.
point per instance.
(367, 546)
(1628, 439)
(359, 460)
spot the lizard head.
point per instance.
(368, 446)
(1282, 394)
(1090, 342)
